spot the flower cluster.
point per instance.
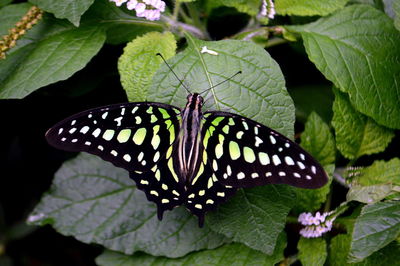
(315, 225)
(268, 9)
(148, 9)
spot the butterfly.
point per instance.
(187, 157)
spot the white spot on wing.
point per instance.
(96, 133)
(84, 130)
(301, 165)
(118, 120)
(289, 160)
(276, 160)
(272, 139)
(313, 169)
(241, 175)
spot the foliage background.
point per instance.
(342, 71)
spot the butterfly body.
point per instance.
(186, 157)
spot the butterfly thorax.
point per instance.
(188, 145)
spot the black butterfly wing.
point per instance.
(205, 192)
(128, 135)
(136, 136)
(249, 154)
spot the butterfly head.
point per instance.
(194, 101)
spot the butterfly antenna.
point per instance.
(237, 73)
(176, 76)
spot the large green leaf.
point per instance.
(358, 49)
(307, 7)
(4, 2)
(69, 9)
(356, 134)
(139, 62)
(312, 251)
(233, 254)
(254, 216)
(51, 51)
(340, 246)
(96, 202)
(258, 93)
(377, 226)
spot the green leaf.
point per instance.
(340, 246)
(356, 134)
(69, 9)
(376, 182)
(312, 251)
(251, 7)
(4, 2)
(318, 140)
(311, 199)
(308, 8)
(139, 62)
(258, 93)
(396, 10)
(52, 57)
(96, 202)
(344, 47)
(254, 217)
(377, 226)
(120, 26)
(233, 254)
(369, 194)
(380, 172)
(338, 250)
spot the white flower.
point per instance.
(149, 9)
(140, 8)
(118, 2)
(316, 225)
(132, 4)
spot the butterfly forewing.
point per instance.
(133, 136)
(248, 154)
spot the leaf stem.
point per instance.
(178, 27)
(275, 41)
(175, 12)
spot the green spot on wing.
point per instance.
(124, 135)
(217, 120)
(234, 150)
(164, 113)
(139, 136)
(108, 134)
(249, 155)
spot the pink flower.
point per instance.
(316, 225)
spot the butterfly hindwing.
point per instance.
(128, 135)
(248, 154)
(205, 192)
(161, 185)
